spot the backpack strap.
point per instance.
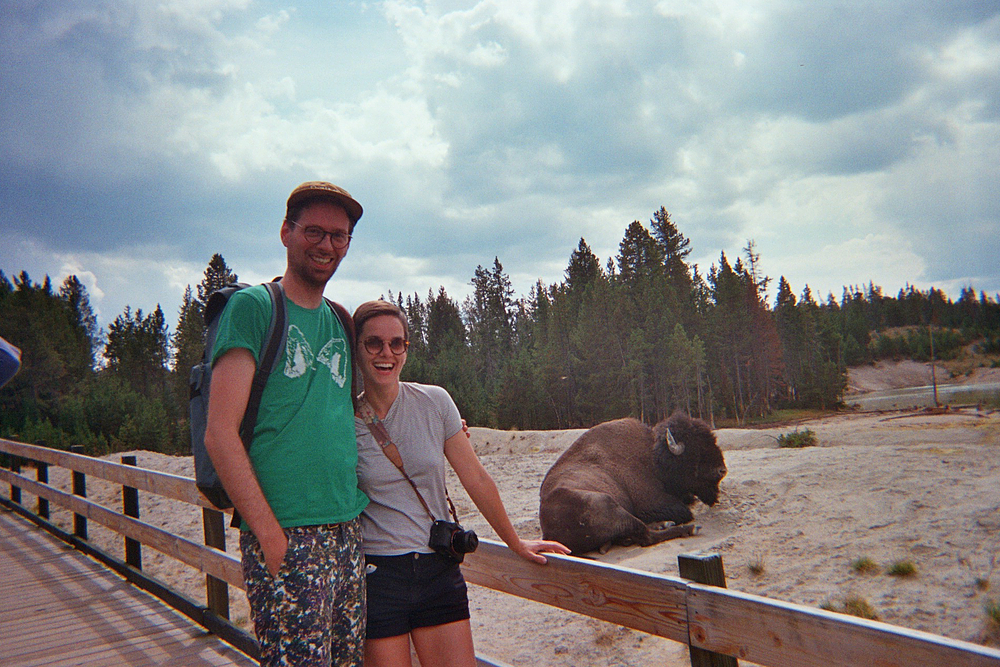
(347, 322)
(273, 339)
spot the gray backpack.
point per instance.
(200, 384)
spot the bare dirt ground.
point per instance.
(915, 487)
(899, 374)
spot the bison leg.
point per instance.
(670, 509)
(588, 520)
(656, 533)
(666, 530)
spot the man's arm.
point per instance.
(232, 376)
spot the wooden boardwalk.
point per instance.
(61, 607)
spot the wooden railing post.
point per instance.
(42, 475)
(216, 590)
(15, 491)
(79, 489)
(130, 506)
(705, 569)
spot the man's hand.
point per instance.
(274, 550)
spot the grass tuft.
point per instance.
(992, 609)
(865, 565)
(902, 568)
(855, 605)
(756, 565)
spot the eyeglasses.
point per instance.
(374, 345)
(315, 235)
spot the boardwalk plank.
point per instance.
(60, 607)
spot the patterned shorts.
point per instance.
(312, 613)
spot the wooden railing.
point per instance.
(714, 621)
(221, 569)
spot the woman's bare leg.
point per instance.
(388, 652)
(448, 645)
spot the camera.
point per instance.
(452, 541)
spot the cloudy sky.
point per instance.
(852, 141)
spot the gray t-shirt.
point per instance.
(419, 421)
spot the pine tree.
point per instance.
(217, 275)
(676, 248)
(598, 343)
(445, 329)
(189, 336)
(791, 331)
(137, 351)
(728, 324)
(556, 363)
(451, 364)
(488, 311)
(418, 362)
(584, 268)
(75, 294)
(639, 255)
(56, 356)
(188, 344)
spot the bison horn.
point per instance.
(676, 448)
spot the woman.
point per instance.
(414, 592)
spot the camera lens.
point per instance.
(465, 541)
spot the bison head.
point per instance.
(691, 459)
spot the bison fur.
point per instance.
(623, 482)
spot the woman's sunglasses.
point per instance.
(374, 345)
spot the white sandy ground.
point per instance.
(886, 486)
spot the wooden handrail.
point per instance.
(783, 634)
(757, 629)
(639, 600)
(160, 483)
(750, 627)
(211, 561)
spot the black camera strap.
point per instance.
(381, 433)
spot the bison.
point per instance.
(623, 482)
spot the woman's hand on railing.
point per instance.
(532, 550)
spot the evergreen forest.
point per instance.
(644, 334)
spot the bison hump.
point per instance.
(610, 447)
(611, 439)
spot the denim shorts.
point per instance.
(415, 590)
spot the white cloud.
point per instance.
(879, 258)
(972, 53)
(510, 129)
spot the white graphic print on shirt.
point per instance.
(300, 358)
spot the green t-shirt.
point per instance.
(304, 452)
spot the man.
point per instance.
(297, 489)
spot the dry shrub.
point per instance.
(903, 568)
(797, 439)
(865, 565)
(855, 605)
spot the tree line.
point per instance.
(643, 334)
